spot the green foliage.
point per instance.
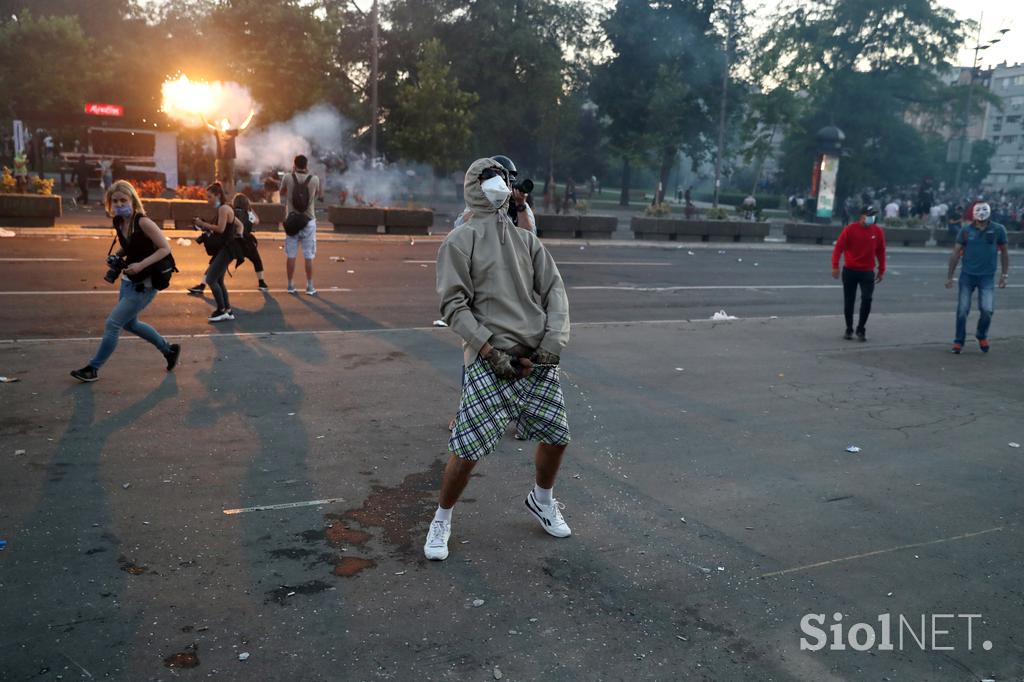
(862, 66)
(49, 65)
(720, 213)
(432, 117)
(766, 201)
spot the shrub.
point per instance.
(658, 210)
(720, 213)
(582, 207)
(190, 192)
(41, 186)
(8, 185)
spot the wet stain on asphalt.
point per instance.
(284, 592)
(339, 534)
(349, 566)
(189, 658)
(401, 511)
(129, 566)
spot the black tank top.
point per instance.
(138, 246)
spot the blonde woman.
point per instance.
(142, 244)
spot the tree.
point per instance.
(861, 66)
(662, 82)
(432, 119)
(49, 65)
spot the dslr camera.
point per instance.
(115, 266)
(525, 185)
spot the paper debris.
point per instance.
(853, 448)
(440, 323)
(1014, 445)
(689, 253)
(244, 656)
(722, 315)
(8, 380)
(18, 453)
(351, 272)
(477, 603)
(184, 242)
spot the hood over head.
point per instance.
(475, 198)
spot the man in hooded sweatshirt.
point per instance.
(502, 293)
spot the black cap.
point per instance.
(867, 210)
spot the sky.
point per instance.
(994, 15)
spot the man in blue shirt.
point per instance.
(977, 244)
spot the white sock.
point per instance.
(309, 284)
(291, 284)
(259, 275)
(443, 514)
(542, 495)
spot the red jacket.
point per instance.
(860, 245)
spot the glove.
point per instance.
(543, 357)
(501, 364)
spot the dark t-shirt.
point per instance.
(226, 143)
(980, 248)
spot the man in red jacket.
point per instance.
(860, 244)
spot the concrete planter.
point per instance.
(357, 220)
(597, 227)
(752, 231)
(271, 216)
(1015, 239)
(652, 229)
(802, 233)
(906, 236)
(408, 221)
(942, 238)
(29, 210)
(184, 210)
(158, 210)
(721, 231)
(557, 226)
(830, 233)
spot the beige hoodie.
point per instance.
(497, 282)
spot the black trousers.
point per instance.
(252, 252)
(865, 279)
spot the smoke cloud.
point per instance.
(318, 132)
(195, 103)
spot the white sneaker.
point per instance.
(292, 289)
(220, 316)
(436, 547)
(310, 291)
(549, 516)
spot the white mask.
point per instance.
(496, 191)
(982, 212)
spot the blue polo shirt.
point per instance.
(980, 248)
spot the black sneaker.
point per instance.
(861, 335)
(197, 290)
(86, 375)
(172, 356)
(848, 335)
(263, 285)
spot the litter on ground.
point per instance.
(722, 315)
(184, 242)
(8, 380)
(853, 448)
(1014, 445)
(440, 323)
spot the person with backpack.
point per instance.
(220, 242)
(144, 264)
(299, 190)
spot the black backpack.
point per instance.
(300, 193)
(243, 217)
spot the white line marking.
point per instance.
(286, 505)
(114, 290)
(637, 263)
(40, 260)
(964, 536)
(724, 287)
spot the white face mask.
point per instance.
(982, 212)
(496, 191)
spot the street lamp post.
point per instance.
(729, 39)
(965, 121)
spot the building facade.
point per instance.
(1004, 127)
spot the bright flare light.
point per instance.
(193, 103)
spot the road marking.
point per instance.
(706, 287)
(286, 505)
(40, 260)
(637, 263)
(113, 291)
(877, 552)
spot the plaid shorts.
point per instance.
(489, 404)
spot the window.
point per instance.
(1009, 139)
(997, 127)
(995, 139)
(1013, 119)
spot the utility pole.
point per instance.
(965, 121)
(729, 35)
(374, 68)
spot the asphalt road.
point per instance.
(708, 485)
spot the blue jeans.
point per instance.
(125, 315)
(986, 285)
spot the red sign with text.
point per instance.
(97, 109)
